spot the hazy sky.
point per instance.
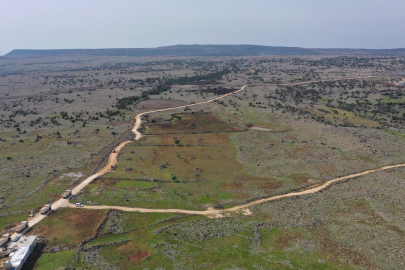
(59, 24)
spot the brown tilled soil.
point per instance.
(71, 226)
(271, 185)
(159, 104)
(232, 186)
(134, 253)
(140, 255)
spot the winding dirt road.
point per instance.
(138, 118)
(113, 161)
(210, 212)
(64, 202)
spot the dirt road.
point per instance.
(315, 189)
(210, 212)
(64, 202)
(243, 209)
(138, 118)
(112, 161)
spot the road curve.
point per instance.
(112, 161)
(64, 202)
(138, 118)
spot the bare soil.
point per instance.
(76, 225)
(271, 185)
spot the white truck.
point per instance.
(23, 225)
(66, 194)
(4, 239)
(45, 209)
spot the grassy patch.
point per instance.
(133, 184)
(340, 116)
(323, 100)
(219, 244)
(63, 259)
(392, 100)
(204, 171)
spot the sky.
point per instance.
(70, 24)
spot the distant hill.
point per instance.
(206, 50)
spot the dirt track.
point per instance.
(138, 118)
(315, 189)
(113, 161)
(214, 213)
(210, 212)
(64, 202)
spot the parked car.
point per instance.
(79, 205)
(16, 238)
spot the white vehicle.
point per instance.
(23, 225)
(4, 239)
(66, 194)
(79, 205)
(45, 209)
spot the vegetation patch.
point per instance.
(159, 104)
(192, 176)
(133, 184)
(192, 123)
(63, 259)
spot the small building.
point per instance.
(18, 252)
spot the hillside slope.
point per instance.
(205, 50)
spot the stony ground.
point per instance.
(58, 116)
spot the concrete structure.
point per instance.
(18, 253)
